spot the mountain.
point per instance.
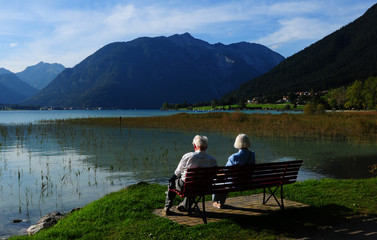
(4, 71)
(339, 59)
(9, 96)
(13, 90)
(145, 72)
(41, 74)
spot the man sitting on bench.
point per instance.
(197, 159)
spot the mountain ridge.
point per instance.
(16, 87)
(41, 74)
(145, 72)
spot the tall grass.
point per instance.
(355, 127)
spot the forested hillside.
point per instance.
(337, 60)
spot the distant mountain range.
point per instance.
(38, 76)
(17, 87)
(339, 59)
(146, 72)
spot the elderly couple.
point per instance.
(200, 158)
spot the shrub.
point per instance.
(321, 108)
(310, 108)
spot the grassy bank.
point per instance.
(355, 126)
(127, 214)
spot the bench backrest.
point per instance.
(204, 181)
(199, 181)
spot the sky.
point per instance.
(68, 31)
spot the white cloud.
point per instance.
(306, 22)
(298, 29)
(12, 45)
(77, 34)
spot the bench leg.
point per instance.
(195, 202)
(272, 194)
(204, 217)
(281, 196)
(190, 201)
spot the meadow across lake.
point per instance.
(61, 164)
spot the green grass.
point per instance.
(127, 214)
(273, 106)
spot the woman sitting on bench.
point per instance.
(243, 157)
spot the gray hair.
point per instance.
(242, 141)
(200, 141)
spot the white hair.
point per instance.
(200, 141)
(242, 141)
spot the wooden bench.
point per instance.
(269, 176)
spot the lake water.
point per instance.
(45, 168)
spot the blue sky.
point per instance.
(67, 31)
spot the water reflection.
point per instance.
(328, 158)
(44, 168)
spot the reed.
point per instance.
(350, 126)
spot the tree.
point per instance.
(292, 97)
(370, 93)
(165, 106)
(287, 107)
(213, 103)
(336, 98)
(241, 104)
(355, 95)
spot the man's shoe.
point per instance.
(181, 208)
(166, 211)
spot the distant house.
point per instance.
(284, 99)
(255, 100)
(303, 93)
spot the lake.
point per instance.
(45, 167)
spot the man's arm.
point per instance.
(181, 166)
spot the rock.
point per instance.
(16, 221)
(75, 209)
(46, 221)
(34, 229)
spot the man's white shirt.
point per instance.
(197, 159)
